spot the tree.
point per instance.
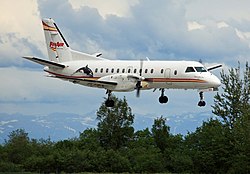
(233, 107)
(142, 138)
(160, 132)
(235, 100)
(209, 148)
(115, 126)
(89, 139)
(18, 146)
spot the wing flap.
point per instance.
(44, 62)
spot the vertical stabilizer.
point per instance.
(57, 46)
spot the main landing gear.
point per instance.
(201, 102)
(109, 102)
(163, 98)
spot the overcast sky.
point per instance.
(211, 30)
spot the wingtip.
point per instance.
(28, 57)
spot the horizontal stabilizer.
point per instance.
(45, 62)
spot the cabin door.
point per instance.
(167, 75)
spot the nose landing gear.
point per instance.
(109, 102)
(163, 98)
(201, 103)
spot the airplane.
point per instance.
(93, 70)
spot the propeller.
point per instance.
(138, 84)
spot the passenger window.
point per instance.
(190, 69)
(118, 70)
(107, 70)
(140, 71)
(123, 70)
(152, 70)
(134, 70)
(200, 69)
(175, 72)
(129, 70)
(162, 71)
(112, 70)
(146, 70)
(96, 70)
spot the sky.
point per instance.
(211, 30)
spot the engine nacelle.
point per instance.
(124, 82)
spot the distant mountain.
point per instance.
(59, 126)
(179, 124)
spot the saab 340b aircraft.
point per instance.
(121, 75)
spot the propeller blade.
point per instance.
(141, 65)
(138, 92)
(138, 88)
(138, 84)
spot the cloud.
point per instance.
(112, 7)
(13, 46)
(163, 30)
(20, 32)
(26, 91)
(224, 10)
(222, 24)
(130, 30)
(193, 25)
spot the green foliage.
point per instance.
(233, 106)
(235, 100)
(218, 146)
(115, 126)
(209, 147)
(160, 133)
(18, 146)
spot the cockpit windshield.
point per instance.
(190, 69)
(200, 69)
(195, 69)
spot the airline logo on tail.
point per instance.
(48, 28)
(55, 45)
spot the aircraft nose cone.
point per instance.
(216, 82)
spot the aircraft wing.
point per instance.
(101, 82)
(45, 62)
(214, 67)
(91, 82)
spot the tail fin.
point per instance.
(57, 46)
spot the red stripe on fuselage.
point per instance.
(181, 80)
(175, 80)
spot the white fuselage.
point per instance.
(156, 74)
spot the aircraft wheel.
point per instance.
(163, 99)
(202, 103)
(109, 103)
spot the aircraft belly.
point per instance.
(174, 85)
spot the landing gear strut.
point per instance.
(163, 98)
(201, 102)
(109, 102)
